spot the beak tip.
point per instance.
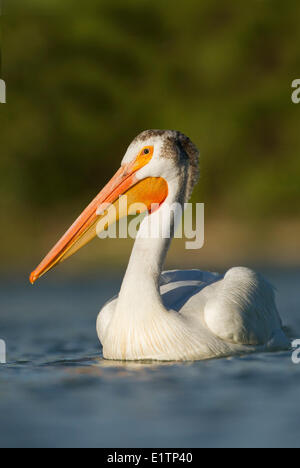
(33, 278)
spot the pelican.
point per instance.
(173, 315)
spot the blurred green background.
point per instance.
(83, 81)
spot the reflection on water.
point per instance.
(57, 390)
(123, 369)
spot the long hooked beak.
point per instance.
(125, 182)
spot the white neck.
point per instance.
(140, 289)
(141, 327)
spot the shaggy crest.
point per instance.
(176, 143)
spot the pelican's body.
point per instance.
(176, 315)
(196, 315)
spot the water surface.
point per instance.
(57, 391)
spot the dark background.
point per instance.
(84, 78)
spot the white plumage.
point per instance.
(204, 315)
(175, 315)
(185, 315)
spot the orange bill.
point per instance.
(125, 182)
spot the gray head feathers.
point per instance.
(179, 147)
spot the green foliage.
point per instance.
(83, 80)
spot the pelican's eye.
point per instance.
(146, 154)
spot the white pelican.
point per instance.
(174, 315)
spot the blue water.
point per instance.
(57, 391)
